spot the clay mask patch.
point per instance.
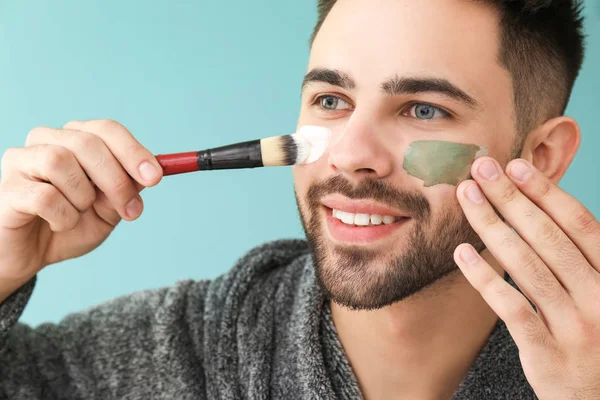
(436, 162)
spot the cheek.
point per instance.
(303, 176)
(445, 195)
(441, 198)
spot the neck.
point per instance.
(421, 347)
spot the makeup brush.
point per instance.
(303, 147)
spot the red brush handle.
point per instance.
(178, 163)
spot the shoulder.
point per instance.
(268, 262)
(268, 276)
(266, 265)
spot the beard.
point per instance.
(365, 279)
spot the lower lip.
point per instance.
(360, 234)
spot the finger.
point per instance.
(38, 198)
(56, 165)
(135, 158)
(524, 324)
(105, 210)
(523, 265)
(574, 219)
(98, 163)
(546, 238)
(7, 171)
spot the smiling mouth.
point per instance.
(362, 220)
(361, 229)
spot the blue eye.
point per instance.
(332, 103)
(424, 111)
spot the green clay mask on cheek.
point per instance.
(436, 162)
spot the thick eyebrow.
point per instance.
(396, 85)
(330, 76)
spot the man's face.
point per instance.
(384, 74)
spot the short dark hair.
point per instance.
(541, 45)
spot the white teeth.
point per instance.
(347, 218)
(363, 219)
(376, 219)
(388, 219)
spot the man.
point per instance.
(400, 293)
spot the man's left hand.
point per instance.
(553, 255)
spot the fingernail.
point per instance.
(474, 194)
(520, 171)
(488, 170)
(133, 208)
(147, 171)
(469, 255)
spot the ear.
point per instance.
(552, 146)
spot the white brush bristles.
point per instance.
(305, 146)
(311, 142)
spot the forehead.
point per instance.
(372, 40)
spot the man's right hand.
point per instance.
(64, 192)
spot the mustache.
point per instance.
(413, 203)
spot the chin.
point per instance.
(361, 279)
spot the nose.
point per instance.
(358, 152)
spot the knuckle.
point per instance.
(509, 194)
(566, 256)
(490, 218)
(585, 222)
(73, 124)
(9, 155)
(73, 181)
(527, 318)
(137, 151)
(547, 290)
(509, 240)
(89, 199)
(55, 157)
(570, 260)
(64, 219)
(34, 134)
(61, 214)
(585, 334)
(88, 142)
(530, 262)
(109, 125)
(551, 235)
(46, 196)
(100, 162)
(69, 217)
(542, 280)
(123, 187)
(488, 286)
(500, 291)
(529, 321)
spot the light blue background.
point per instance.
(186, 75)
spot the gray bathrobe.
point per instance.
(263, 330)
